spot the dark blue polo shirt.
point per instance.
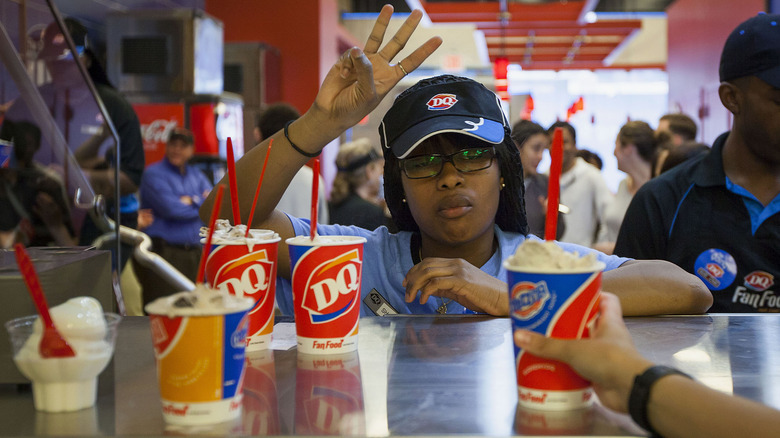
(696, 218)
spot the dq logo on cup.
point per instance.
(561, 305)
(329, 395)
(326, 293)
(529, 299)
(200, 366)
(248, 271)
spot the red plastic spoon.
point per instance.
(52, 343)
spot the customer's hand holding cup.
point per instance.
(554, 293)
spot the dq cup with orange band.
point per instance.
(246, 267)
(556, 301)
(199, 341)
(326, 275)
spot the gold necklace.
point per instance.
(443, 308)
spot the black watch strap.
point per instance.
(640, 393)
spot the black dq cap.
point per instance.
(439, 105)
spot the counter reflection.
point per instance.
(329, 395)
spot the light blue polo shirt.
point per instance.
(387, 259)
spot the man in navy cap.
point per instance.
(717, 216)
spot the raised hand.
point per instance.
(356, 84)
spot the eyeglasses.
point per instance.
(465, 160)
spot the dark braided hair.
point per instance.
(510, 215)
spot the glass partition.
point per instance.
(59, 148)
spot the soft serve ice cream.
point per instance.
(224, 233)
(548, 256)
(202, 300)
(70, 383)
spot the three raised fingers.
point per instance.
(399, 40)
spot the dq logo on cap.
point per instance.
(529, 298)
(330, 288)
(442, 101)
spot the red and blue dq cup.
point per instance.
(326, 276)
(247, 268)
(557, 304)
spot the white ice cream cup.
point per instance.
(69, 383)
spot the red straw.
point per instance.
(212, 221)
(315, 192)
(257, 191)
(231, 162)
(554, 186)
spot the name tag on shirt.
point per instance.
(378, 304)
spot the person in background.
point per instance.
(453, 186)
(635, 148)
(584, 191)
(356, 197)
(718, 215)
(662, 400)
(531, 140)
(273, 118)
(591, 158)
(683, 153)
(673, 130)
(71, 105)
(34, 208)
(296, 200)
(173, 190)
(99, 168)
(676, 128)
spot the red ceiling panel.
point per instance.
(539, 35)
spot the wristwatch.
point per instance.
(640, 394)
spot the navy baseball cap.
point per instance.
(438, 105)
(753, 49)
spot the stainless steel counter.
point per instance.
(413, 375)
